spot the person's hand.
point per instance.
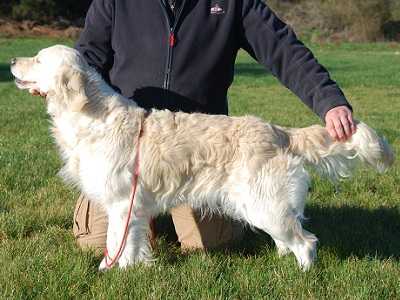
(340, 123)
(35, 92)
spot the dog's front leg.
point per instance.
(136, 246)
(115, 232)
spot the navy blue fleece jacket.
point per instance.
(187, 63)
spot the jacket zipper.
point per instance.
(171, 41)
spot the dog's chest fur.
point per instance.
(96, 150)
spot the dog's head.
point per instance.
(57, 71)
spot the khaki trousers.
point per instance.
(90, 227)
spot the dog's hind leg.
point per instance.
(274, 202)
(288, 234)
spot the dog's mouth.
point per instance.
(23, 84)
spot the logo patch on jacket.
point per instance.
(217, 8)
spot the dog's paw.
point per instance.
(103, 266)
(306, 265)
(282, 249)
(125, 262)
(307, 260)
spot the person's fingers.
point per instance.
(346, 126)
(338, 128)
(340, 120)
(353, 126)
(331, 129)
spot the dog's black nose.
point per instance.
(13, 61)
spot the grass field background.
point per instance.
(358, 228)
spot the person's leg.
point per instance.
(210, 232)
(90, 225)
(91, 222)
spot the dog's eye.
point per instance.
(38, 60)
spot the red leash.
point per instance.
(132, 198)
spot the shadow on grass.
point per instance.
(5, 74)
(346, 231)
(354, 231)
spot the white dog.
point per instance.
(239, 166)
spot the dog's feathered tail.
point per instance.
(336, 159)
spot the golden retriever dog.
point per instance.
(239, 166)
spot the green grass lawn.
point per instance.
(358, 228)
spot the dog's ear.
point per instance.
(71, 83)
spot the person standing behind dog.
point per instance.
(179, 55)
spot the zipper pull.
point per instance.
(172, 39)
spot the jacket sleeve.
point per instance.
(274, 44)
(94, 42)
